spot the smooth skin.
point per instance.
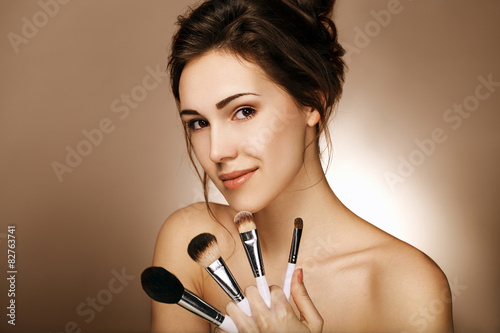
(354, 276)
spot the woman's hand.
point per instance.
(280, 317)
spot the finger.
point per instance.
(262, 317)
(243, 322)
(277, 294)
(309, 315)
(257, 303)
(280, 305)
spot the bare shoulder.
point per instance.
(412, 289)
(186, 223)
(171, 253)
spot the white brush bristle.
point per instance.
(244, 221)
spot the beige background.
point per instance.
(75, 233)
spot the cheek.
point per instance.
(287, 151)
(282, 134)
(201, 149)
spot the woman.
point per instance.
(256, 82)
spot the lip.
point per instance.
(236, 179)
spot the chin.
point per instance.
(250, 203)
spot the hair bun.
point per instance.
(316, 15)
(318, 8)
(319, 26)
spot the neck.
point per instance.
(309, 197)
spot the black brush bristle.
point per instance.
(199, 244)
(161, 285)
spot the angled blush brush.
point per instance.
(250, 239)
(165, 287)
(292, 259)
(204, 250)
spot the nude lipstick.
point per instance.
(236, 179)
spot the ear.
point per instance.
(313, 117)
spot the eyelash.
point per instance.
(246, 108)
(192, 123)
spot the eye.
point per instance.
(197, 124)
(244, 113)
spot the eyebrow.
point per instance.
(231, 98)
(189, 112)
(219, 105)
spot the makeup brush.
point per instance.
(204, 250)
(248, 234)
(292, 259)
(165, 287)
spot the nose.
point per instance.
(223, 144)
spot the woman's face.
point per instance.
(247, 133)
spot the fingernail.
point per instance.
(300, 275)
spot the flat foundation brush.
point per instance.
(204, 250)
(248, 234)
(292, 259)
(165, 287)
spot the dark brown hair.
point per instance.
(293, 41)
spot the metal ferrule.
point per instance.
(294, 248)
(199, 307)
(252, 248)
(219, 271)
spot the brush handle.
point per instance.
(228, 325)
(245, 306)
(199, 307)
(294, 248)
(222, 275)
(263, 288)
(251, 244)
(288, 279)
